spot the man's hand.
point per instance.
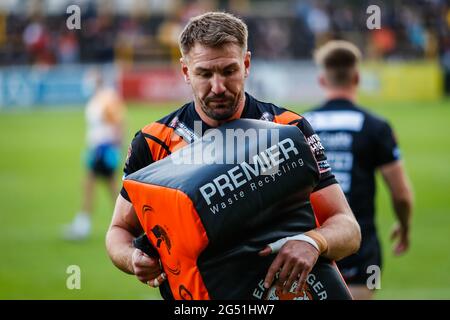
(147, 269)
(124, 229)
(402, 234)
(295, 261)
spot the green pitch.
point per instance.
(41, 174)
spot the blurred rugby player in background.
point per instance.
(359, 143)
(105, 125)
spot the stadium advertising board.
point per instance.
(57, 86)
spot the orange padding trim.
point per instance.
(174, 228)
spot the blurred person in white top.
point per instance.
(105, 121)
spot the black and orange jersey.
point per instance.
(183, 126)
(211, 207)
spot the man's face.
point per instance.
(217, 77)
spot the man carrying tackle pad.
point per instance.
(210, 208)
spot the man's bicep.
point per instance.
(329, 201)
(125, 217)
(337, 223)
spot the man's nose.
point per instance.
(218, 84)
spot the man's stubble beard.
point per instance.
(221, 116)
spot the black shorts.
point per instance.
(354, 268)
(103, 160)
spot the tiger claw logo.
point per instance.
(161, 235)
(184, 293)
(146, 209)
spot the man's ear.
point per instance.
(356, 78)
(185, 70)
(322, 80)
(247, 63)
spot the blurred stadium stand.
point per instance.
(139, 38)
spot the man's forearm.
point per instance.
(342, 234)
(120, 248)
(401, 192)
(403, 211)
(338, 224)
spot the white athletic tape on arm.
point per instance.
(276, 246)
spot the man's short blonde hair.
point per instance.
(340, 60)
(213, 29)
